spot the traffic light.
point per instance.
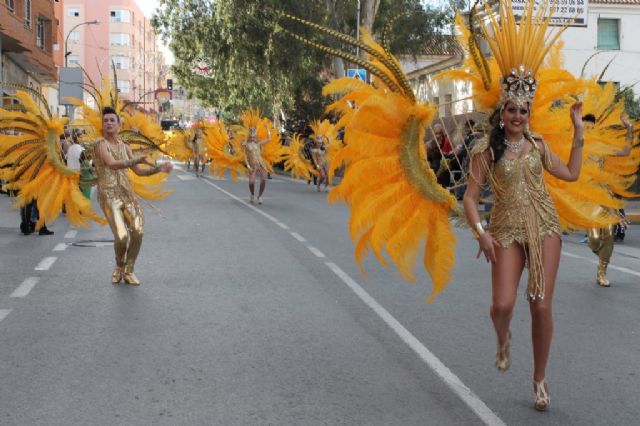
(170, 84)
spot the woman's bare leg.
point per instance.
(505, 275)
(263, 181)
(541, 312)
(252, 182)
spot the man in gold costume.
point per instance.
(112, 158)
(601, 239)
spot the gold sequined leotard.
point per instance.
(113, 184)
(523, 210)
(321, 157)
(253, 153)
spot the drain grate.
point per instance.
(93, 243)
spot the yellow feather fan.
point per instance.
(396, 205)
(30, 152)
(272, 152)
(295, 160)
(179, 145)
(226, 153)
(139, 130)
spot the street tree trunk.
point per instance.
(337, 64)
(368, 12)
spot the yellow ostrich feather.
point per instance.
(295, 161)
(179, 145)
(34, 166)
(226, 153)
(272, 152)
(150, 187)
(397, 207)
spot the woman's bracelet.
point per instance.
(477, 230)
(578, 143)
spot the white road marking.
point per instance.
(450, 379)
(298, 236)
(26, 286)
(595, 262)
(45, 263)
(317, 252)
(282, 225)
(71, 234)
(186, 177)
(4, 313)
(60, 247)
(627, 251)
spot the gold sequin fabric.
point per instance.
(321, 157)
(523, 211)
(113, 184)
(253, 154)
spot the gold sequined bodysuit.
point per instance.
(253, 153)
(321, 157)
(113, 184)
(523, 211)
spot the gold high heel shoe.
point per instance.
(503, 355)
(116, 277)
(542, 399)
(129, 277)
(601, 277)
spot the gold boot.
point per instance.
(129, 277)
(116, 277)
(601, 277)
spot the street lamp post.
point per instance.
(69, 108)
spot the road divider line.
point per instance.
(282, 225)
(317, 252)
(4, 313)
(45, 263)
(451, 380)
(71, 234)
(595, 262)
(26, 286)
(298, 236)
(60, 247)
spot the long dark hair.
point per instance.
(497, 135)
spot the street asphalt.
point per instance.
(258, 315)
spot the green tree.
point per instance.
(256, 64)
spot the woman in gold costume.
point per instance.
(254, 161)
(116, 196)
(320, 161)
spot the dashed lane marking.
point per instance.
(71, 234)
(60, 247)
(4, 313)
(317, 252)
(595, 262)
(26, 286)
(298, 236)
(45, 263)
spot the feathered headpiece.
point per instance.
(519, 47)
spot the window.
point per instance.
(40, 38)
(27, 13)
(74, 60)
(11, 5)
(73, 11)
(121, 62)
(120, 39)
(608, 34)
(123, 86)
(74, 36)
(120, 15)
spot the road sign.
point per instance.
(357, 73)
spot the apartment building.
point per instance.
(27, 36)
(99, 34)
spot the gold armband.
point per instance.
(578, 143)
(477, 230)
